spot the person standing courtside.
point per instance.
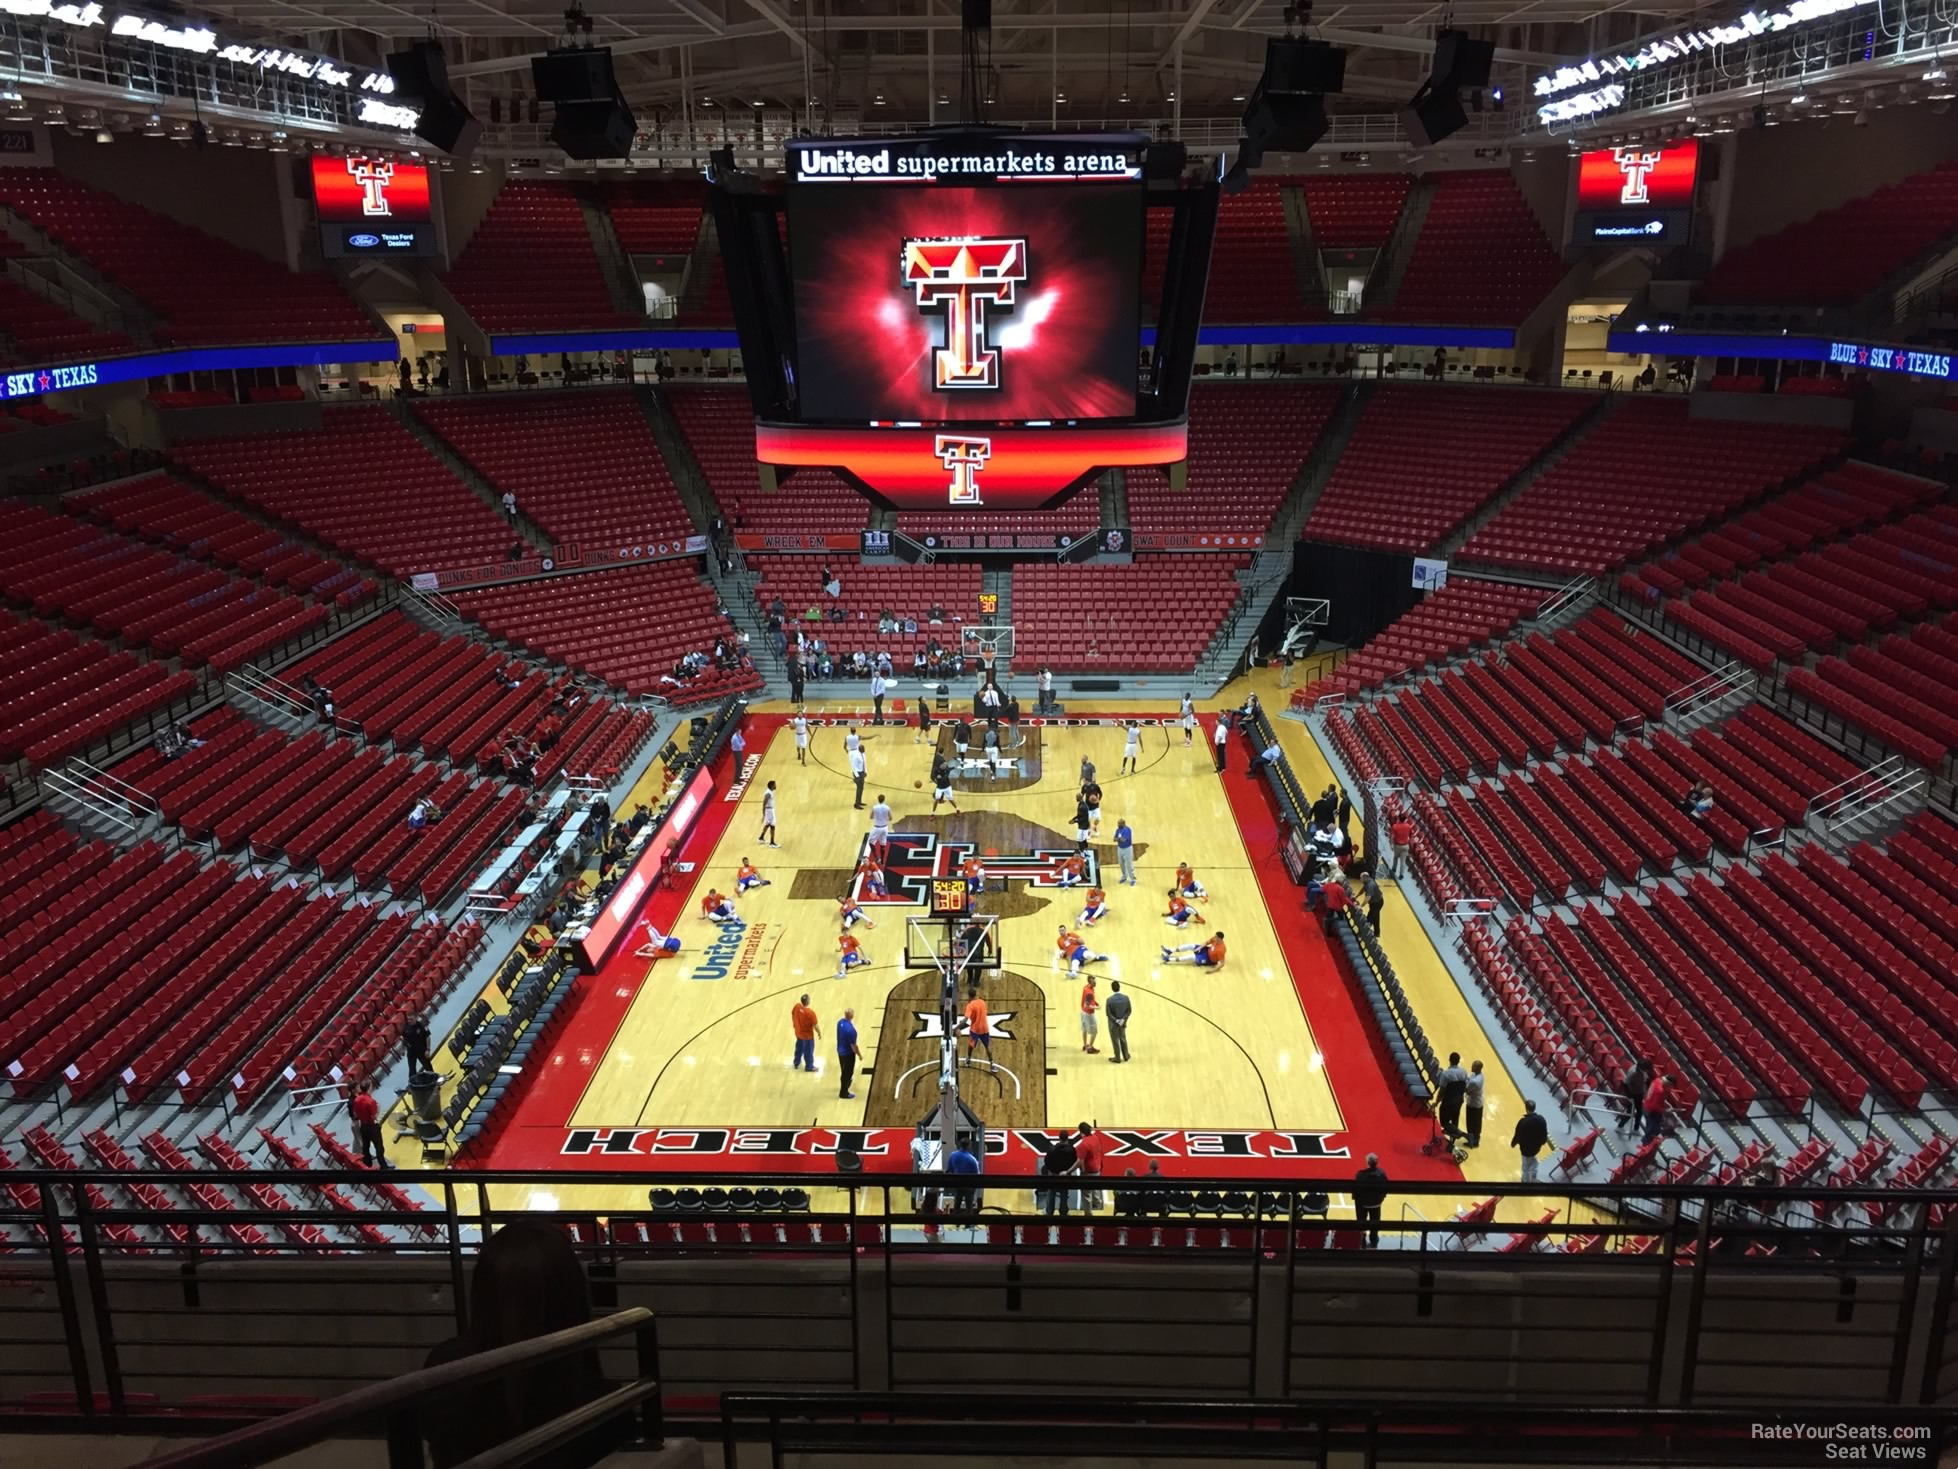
(1453, 1087)
(414, 1035)
(1117, 1010)
(1369, 1193)
(802, 1020)
(1220, 741)
(1472, 1104)
(877, 687)
(847, 1052)
(1125, 850)
(859, 768)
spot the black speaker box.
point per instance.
(1295, 65)
(594, 129)
(1432, 116)
(449, 125)
(574, 74)
(1462, 61)
(1283, 122)
(421, 70)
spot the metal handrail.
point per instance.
(1864, 793)
(1565, 596)
(1723, 682)
(264, 1442)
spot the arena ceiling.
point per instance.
(871, 63)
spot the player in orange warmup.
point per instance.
(852, 956)
(1096, 910)
(1074, 951)
(716, 907)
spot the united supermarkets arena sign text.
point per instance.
(926, 161)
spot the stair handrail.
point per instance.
(1709, 689)
(1565, 597)
(1864, 794)
(433, 602)
(107, 796)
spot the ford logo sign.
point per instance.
(363, 242)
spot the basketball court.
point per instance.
(1265, 1067)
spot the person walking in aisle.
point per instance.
(768, 814)
(1117, 1010)
(877, 687)
(1635, 1085)
(859, 768)
(1370, 892)
(801, 727)
(847, 1053)
(1472, 1104)
(1400, 832)
(1125, 850)
(1531, 1137)
(366, 1113)
(1656, 1096)
(1131, 748)
(1369, 1193)
(802, 1020)
(1221, 740)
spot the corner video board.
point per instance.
(372, 206)
(1637, 195)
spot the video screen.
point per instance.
(939, 303)
(371, 206)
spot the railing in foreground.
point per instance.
(395, 1405)
(1580, 1293)
(1380, 1435)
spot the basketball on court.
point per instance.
(917, 785)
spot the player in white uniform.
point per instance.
(1131, 748)
(801, 727)
(768, 814)
(1189, 721)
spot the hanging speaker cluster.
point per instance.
(592, 119)
(1461, 67)
(422, 73)
(1286, 110)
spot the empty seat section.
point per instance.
(1481, 256)
(1422, 460)
(1449, 623)
(582, 464)
(531, 265)
(1247, 446)
(1834, 257)
(361, 484)
(1645, 474)
(1155, 616)
(204, 290)
(719, 424)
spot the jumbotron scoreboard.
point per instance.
(955, 319)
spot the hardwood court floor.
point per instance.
(698, 1047)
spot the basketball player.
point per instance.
(978, 1028)
(962, 736)
(1096, 910)
(1180, 914)
(716, 908)
(658, 945)
(941, 783)
(768, 805)
(1090, 1021)
(880, 828)
(873, 878)
(748, 876)
(1131, 748)
(1094, 811)
(924, 719)
(801, 727)
(1189, 721)
(1074, 951)
(1186, 882)
(1081, 818)
(1209, 954)
(1074, 869)
(852, 954)
(975, 876)
(853, 914)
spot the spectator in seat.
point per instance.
(423, 813)
(528, 1283)
(1699, 801)
(832, 586)
(510, 506)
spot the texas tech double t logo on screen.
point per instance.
(1635, 164)
(959, 279)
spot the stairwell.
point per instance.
(528, 530)
(621, 281)
(700, 266)
(1305, 255)
(1261, 583)
(82, 279)
(1000, 583)
(1527, 476)
(688, 477)
(1390, 266)
(1318, 468)
(1114, 488)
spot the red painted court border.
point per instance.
(537, 1137)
